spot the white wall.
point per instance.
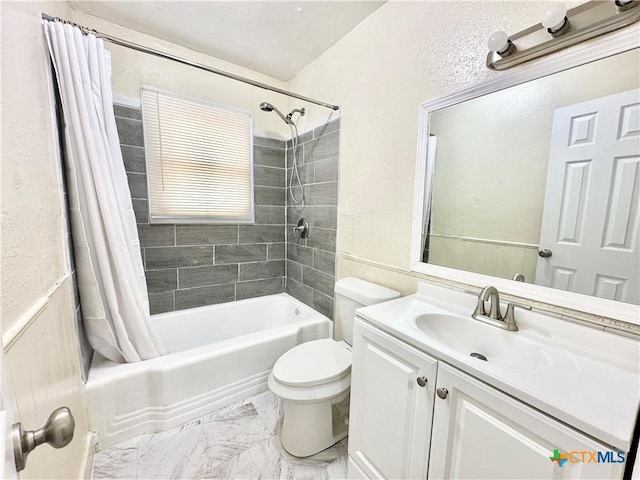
(32, 255)
(39, 331)
(133, 69)
(405, 53)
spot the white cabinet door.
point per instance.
(390, 416)
(481, 433)
(590, 217)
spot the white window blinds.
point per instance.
(199, 160)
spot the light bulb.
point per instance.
(498, 42)
(554, 17)
(624, 5)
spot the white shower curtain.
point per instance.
(110, 273)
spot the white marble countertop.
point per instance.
(593, 383)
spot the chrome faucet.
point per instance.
(494, 317)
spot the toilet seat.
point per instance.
(313, 363)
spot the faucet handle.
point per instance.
(519, 305)
(509, 317)
(302, 229)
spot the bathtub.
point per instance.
(217, 355)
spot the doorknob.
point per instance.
(545, 253)
(422, 381)
(57, 432)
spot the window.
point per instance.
(199, 160)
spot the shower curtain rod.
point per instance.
(168, 56)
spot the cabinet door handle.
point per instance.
(442, 393)
(422, 381)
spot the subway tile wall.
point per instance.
(311, 261)
(189, 266)
(193, 265)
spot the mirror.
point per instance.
(538, 181)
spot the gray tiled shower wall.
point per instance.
(192, 265)
(311, 261)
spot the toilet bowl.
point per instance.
(314, 378)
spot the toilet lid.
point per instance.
(313, 363)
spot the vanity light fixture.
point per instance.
(560, 29)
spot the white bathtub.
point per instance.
(218, 355)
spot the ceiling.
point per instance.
(276, 38)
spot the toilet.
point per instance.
(314, 377)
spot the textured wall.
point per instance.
(37, 308)
(193, 265)
(311, 261)
(32, 232)
(403, 54)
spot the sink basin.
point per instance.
(511, 350)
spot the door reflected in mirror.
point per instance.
(542, 180)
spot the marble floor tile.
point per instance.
(121, 459)
(314, 467)
(270, 409)
(260, 461)
(236, 442)
(177, 453)
(229, 434)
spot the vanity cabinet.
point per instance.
(482, 433)
(454, 427)
(390, 415)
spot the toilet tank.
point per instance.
(353, 293)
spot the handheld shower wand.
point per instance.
(267, 107)
(295, 138)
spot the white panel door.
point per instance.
(390, 415)
(43, 372)
(590, 217)
(481, 433)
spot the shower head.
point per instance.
(267, 107)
